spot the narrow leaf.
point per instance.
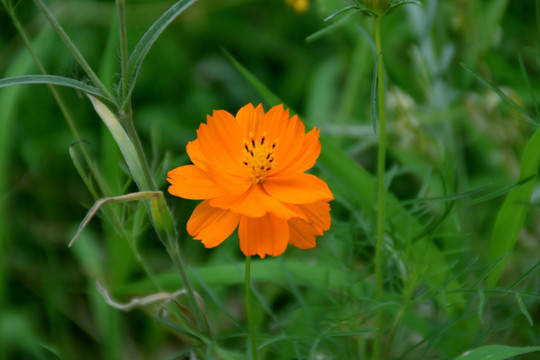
(149, 38)
(124, 143)
(524, 310)
(341, 11)
(511, 216)
(481, 306)
(528, 117)
(143, 195)
(53, 80)
(524, 275)
(496, 352)
(268, 95)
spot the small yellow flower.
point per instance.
(300, 6)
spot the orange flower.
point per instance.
(249, 172)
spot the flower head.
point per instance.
(249, 170)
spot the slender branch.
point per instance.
(249, 312)
(381, 175)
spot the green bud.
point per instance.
(379, 6)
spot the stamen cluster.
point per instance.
(259, 157)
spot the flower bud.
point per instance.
(379, 6)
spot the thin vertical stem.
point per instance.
(253, 340)
(121, 8)
(381, 163)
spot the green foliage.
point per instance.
(461, 184)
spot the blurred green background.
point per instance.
(448, 133)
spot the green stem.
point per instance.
(249, 311)
(381, 163)
(74, 51)
(166, 230)
(121, 6)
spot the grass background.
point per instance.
(449, 134)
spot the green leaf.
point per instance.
(53, 80)
(528, 117)
(341, 11)
(149, 38)
(524, 310)
(511, 216)
(124, 143)
(496, 352)
(268, 95)
(397, 4)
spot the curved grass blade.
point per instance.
(528, 117)
(452, 197)
(524, 275)
(267, 95)
(53, 80)
(496, 352)
(72, 47)
(148, 39)
(511, 216)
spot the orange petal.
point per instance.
(298, 189)
(267, 235)
(247, 204)
(195, 154)
(211, 225)
(302, 234)
(221, 143)
(249, 119)
(317, 214)
(255, 203)
(190, 182)
(303, 160)
(290, 141)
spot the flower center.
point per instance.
(259, 157)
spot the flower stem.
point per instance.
(249, 312)
(381, 160)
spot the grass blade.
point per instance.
(511, 216)
(524, 310)
(269, 96)
(528, 117)
(53, 80)
(496, 352)
(148, 39)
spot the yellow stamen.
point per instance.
(259, 157)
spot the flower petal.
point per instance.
(194, 152)
(302, 160)
(290, 140)
(247, 204)
(255, 203)
(302, 234)
(266, 235)
(298, 189)
(317, 214)
(190, 182)
(211, 225)
(221, 142)
(249, 118)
